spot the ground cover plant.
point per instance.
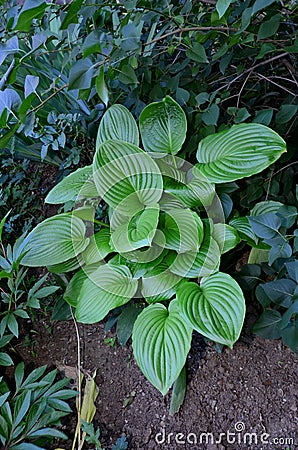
(165, 235)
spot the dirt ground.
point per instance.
(245, 398)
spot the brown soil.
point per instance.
(252, 387)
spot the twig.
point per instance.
(48, 98)
(185, 30)
(276, 84)
(241, 89)
(283, 168)
(79, 377)
(251, 69)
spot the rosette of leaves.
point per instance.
(166, 232)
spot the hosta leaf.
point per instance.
(73, 288)
(67, 266)
(199, 263)
(159, 284)
(54, 241)
(98, 248)
(163, 127)
(117, 124)
(195, 191)
(226, 236)
(268, 206)
(216, 308)
(161, 341)
(126, 177)
(242, 151)
(137, 232)
(182, 230)
(76, 186)
(105, 289)
(242, 225)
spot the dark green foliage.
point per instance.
(30, 415)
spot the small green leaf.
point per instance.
(178, 394)
(31, 83)
(5, 359)
(197, 53)
(286, 113)
(270, 27)
(211, 116)
(268, 325)
(126, 322)
(71, 15)
(222, 6)
(265, 226)
(101, 88)
(80, 74)
(128, 76)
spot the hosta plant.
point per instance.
(161, 247)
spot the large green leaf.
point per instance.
(226, 236)
(76, 186)
(159, 284)
(126, 177)
(163, 127)
(98, 248)
(161, 341)
(245, 231)
(182, 230)
(137, 232)
(54, 241)
(105, 289)
(117, 124)
(195, 191)
(74, 286)
(202, 262)
(216, 308)
(242, 151)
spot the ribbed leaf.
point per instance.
(226, 236)
(242, 225)
(242, 151)
(199, 263)
(117, 124)
(216, 308)
(105, 289)
(126, 177)
(163, 127)
(159, 284)
(182, 230)
(67, 266)
(74, 287)
(54, 241)
(195, 191)
(98, 248)
(161, 341)
(268, 206)
(76, 186)
(137, 232)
